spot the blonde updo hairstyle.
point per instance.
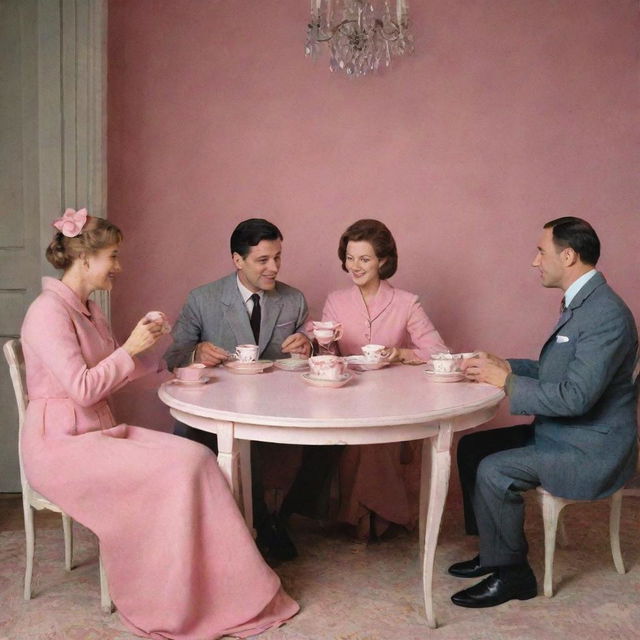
(96, 234)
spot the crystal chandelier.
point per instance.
(362, 35)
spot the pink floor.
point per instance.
(350, 591)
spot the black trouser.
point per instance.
(472, 449)
(309, 492)
(318, 462)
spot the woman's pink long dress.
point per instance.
(180, 561)
(375, 478)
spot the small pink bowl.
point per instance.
(191, 373)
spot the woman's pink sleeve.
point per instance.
(51, 335)
(424, 336)
(329, 310)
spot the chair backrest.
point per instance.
(13, 353)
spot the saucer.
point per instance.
(450, 376)
(292, 364)
(322, 382)
(247, 368)
(191, 383)
(362, 364)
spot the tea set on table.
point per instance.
(326, 369)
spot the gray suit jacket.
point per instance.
(582, 395)
(216, 313)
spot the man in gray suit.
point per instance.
(582, 442)
(250, 307)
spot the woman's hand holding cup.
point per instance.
(327, 332)
(160, 318)
(144, 335)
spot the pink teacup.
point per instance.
(327, 367)
(327, 331)
(192, 373)
(160, 318)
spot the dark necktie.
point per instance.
(256, 314)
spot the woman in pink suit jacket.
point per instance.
(373, 480)
(179, 560)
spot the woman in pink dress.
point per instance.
(373, 479)
(179, 559)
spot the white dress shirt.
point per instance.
(246, 296)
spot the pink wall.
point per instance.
(511, 112)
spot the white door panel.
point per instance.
(52, 155)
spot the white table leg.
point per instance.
(425, 484)
(440, 457)
(229, 458)
(245, 481)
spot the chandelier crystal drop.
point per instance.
(362, 35)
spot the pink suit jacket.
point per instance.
(395, 319)
(74, 364)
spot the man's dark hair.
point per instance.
(577, 234)
(251, 232)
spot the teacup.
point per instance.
(192, 373)
(160, 318)
(445, 362)
(247, 352)
(373, 352)
(327, 331)
(327, 367)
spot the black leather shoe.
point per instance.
(506, 583)
(470, 569)
(274, 541)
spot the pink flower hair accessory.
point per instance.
(71, 222)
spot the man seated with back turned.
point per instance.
(250, 306)
(582, 442)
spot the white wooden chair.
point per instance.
(552, 507)
(31, 499)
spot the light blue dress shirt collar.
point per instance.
(573, 289)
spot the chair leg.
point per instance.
(29, 531)
(68, 541)
(550, 513)
(105, 599)
(614, 530)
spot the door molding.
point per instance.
(53, 56)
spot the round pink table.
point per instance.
(389, 405)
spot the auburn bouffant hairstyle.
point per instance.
(379, 237)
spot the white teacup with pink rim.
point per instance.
(247, 352)
(445, 362)
(192, 373)
(327, 331)
(373, 352)
(327, 367)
